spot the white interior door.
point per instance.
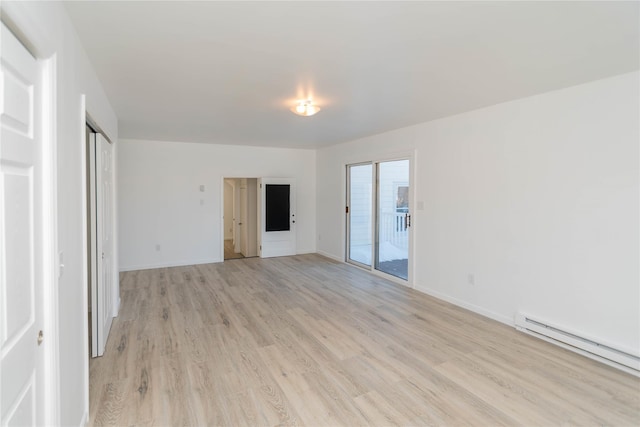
(104, 233)
(277, 217)
(21, 238)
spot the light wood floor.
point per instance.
(307, 341)
(228, 251)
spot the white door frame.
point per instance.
(53, 264)
(242, 222)
(236, 216)
(92, 241)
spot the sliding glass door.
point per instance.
(378, 216)
(393, 220)
(360, 213)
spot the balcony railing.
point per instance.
(393, 229)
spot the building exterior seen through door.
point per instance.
(379, 217)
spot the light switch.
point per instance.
(202, 188)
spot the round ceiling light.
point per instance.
(305, 108)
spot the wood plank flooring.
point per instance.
(229, 251)
(308, 341)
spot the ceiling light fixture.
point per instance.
(305, 108)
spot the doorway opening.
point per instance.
(378, 216)
(240, 218)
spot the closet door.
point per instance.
(104, 245)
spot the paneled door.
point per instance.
(22, 234)
(277, 217)
(104, 245)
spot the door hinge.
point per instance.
(347, 209)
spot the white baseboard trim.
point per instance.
(305, 251)
(169, 264)
(455, 301)
(471, 307)
(328, 255)
(116, 308)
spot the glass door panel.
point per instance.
(393, 218)
(359, 205)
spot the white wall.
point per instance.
(46, 28)
(159, 197)
(538, 198)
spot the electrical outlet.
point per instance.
(471, 279)
(202, 188)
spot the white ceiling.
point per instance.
(228, 72)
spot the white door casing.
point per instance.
(242, 223)
(104, 245)
(236, 216)
(23, 337)
(93, 241)
(252, 217)
(281, 242)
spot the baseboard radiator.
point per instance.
(611, 356)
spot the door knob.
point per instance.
(40, 337)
